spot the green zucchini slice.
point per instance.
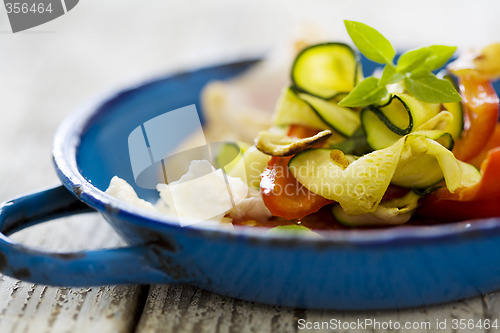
(418, 172)
(391, 212)
(250, 166)
(326, 70)
(456, 125)
(290, 109)
(225, 154)
(417, 160)
(343, 120)
(386, 124)
(357, 188)
(422, 162)
(443, 138)
(396, 115)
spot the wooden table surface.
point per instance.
(101, 46)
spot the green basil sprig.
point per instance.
(413, 69)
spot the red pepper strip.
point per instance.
(481, 200)
(492, 143)
(481, 115)
(283, 195)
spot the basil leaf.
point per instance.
(412, 59)
(370, 42)
(428, 88)
(439, 55)
(390, 76)
(366, 92)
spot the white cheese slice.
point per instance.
(122, 190)
(202, 194)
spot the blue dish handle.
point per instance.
(87, 268)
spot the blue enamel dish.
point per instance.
(349, 269)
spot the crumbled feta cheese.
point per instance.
(202, 196)
(203, 193)
(251, 208)
(122, 190)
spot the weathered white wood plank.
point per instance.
(181, 308)
(172, 308)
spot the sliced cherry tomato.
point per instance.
(283, 195)
(481, 115)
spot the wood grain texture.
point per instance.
(172, 308)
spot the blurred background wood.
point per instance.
(101, 46)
